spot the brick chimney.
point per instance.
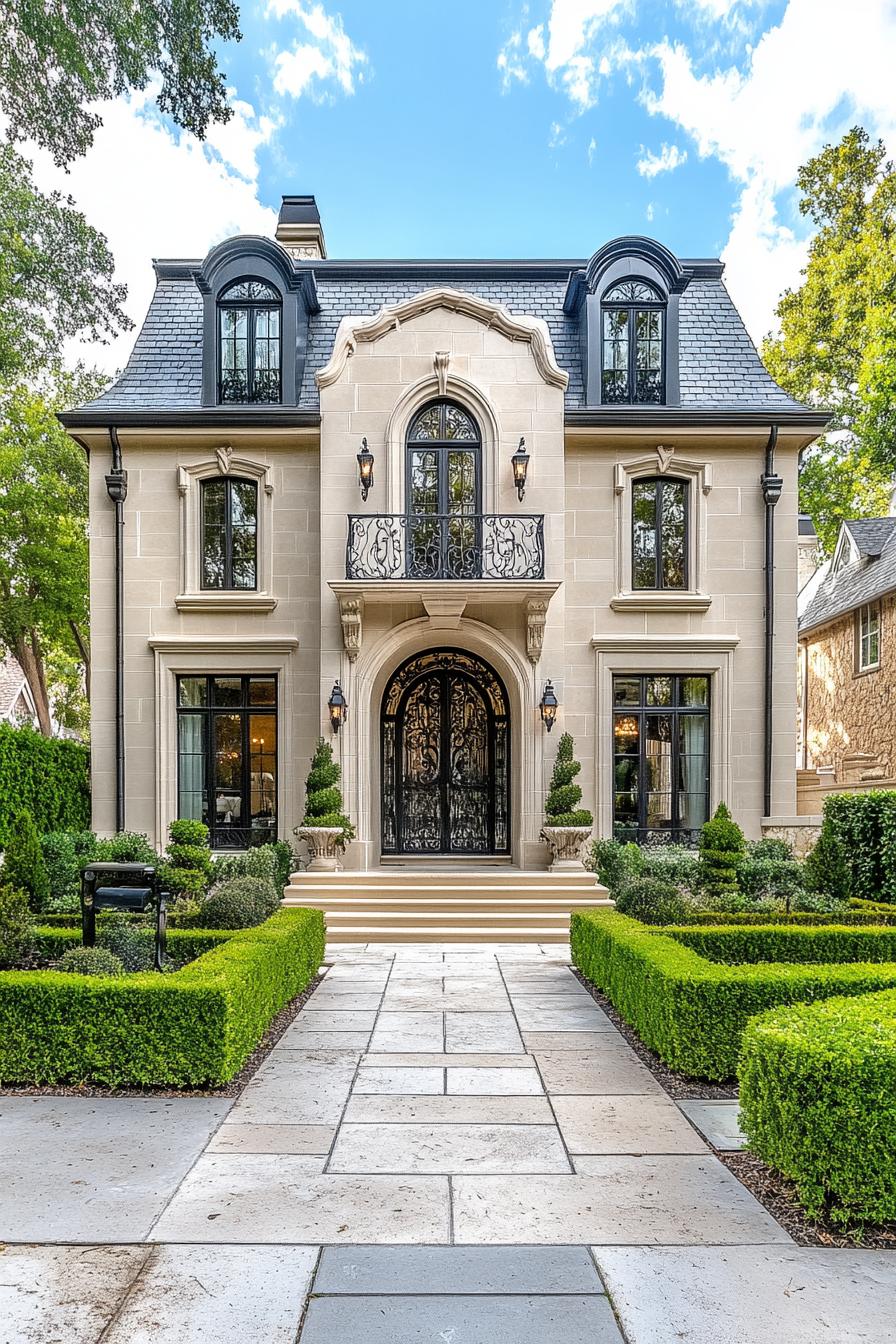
(299, 228)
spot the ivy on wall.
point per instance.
(46, 776)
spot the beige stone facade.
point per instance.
(578, 625)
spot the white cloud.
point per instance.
(557, 136)
(650, 212)
(511, 62)
(158, 193)
(307, 67)
(592, 150)
(560, 46)
(669, 158)
(763, 120)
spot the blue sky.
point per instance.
(505, 128)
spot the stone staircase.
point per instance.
(446, 904)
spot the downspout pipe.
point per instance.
(117, 490)
(771, 485)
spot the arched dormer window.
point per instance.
(229, 533)
(660, 543)
(249, 349)
(632, 334)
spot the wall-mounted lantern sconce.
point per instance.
(520, 464)
(365, 469)
(549, 705)
(338, 707)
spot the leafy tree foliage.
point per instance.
(57, 59)
(837, 343)
(43, 533)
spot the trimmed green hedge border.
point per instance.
(183, 944)
(863, 914)
(46, 776)
(818, 1102)
(779, 943)
(691, 1011)
(194, 1027)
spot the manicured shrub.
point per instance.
(16, 926)
(46, 776)
(650, 900)
(671, 863)
(323, 798)
(240, 903)
(562, 805)
(818, 1102)
(615, 863)
(865, 826)
(125, 847)
(260, 861)
(688, 1009)
(65, 853)
(90, 961)
(132, 943)
(722, 849)
(800, 943)
(188, 862)
(826, 868)
(192, 1028)
(23, 862)
(286, 862)
(770, 847)
(759, 875)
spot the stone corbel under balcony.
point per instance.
(444, 603)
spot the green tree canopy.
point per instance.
(58, 60)
(837, 343)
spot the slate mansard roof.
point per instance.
(719, 368)
(867, 573)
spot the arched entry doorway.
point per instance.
(445, 728)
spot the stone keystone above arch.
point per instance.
(533, 330)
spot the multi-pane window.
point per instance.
(868, 636)
(443, 493)
(249, 343)
(229, 533)
(227, 757)
(660, 758)
(659, 533)
(632, 370)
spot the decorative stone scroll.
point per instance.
(536, 617)
(351, 613)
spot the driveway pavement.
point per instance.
(450, 1144)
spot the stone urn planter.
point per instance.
(324, 844)
(566, 845)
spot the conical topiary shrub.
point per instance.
(564, 794)
(23, 863)
(722, 848)
(323, 797)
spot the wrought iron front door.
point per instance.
(445, 753)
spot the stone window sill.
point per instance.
(661, 601)
(225, 601)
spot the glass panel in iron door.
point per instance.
(424, 543)
(421, 767)
(468, 765)
(462, 547)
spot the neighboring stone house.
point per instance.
(847, 638)
(428, 489)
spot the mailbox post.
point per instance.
(131, 887)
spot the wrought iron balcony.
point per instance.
(445, 546)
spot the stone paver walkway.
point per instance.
(449, 1144)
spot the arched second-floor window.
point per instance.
(660, 533)
(249, 351)
(443, 492)
(229, 533)
(632, 356)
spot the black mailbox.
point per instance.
(132, 887)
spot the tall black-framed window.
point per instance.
(249, 353)
(660, 542)
(444, 493)
(229, 533)
(227, 757)
(661, 756)
(633, 346)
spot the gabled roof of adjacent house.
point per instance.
(720, 369)
(13, 685)
(863, 570)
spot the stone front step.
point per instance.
(416, 905)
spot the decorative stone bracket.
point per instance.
(351, 613)
(536, 618)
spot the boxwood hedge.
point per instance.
(779, 943)
(818, 1102)
(193, 1027)
(688, 1009)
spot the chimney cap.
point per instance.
(299, 228)
(299, 210)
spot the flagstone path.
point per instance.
(449, 1144)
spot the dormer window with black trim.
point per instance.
(660, 541)
(229, 533)
(249, 346)
(633, 356)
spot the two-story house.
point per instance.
(412, 497)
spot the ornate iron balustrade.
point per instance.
(445, 546)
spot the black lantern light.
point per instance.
(549, 705)
(338, 707)
(365, 469)
(520, 464)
